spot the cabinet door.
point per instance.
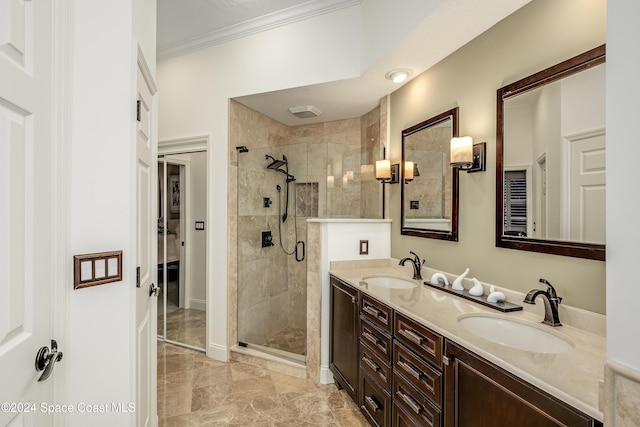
(480, 394)
(343, 342)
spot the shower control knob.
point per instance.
(267, 239)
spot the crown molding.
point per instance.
(287, 16)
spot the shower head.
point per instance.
(275, 164)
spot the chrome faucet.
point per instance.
(551, 301)
(416, 263)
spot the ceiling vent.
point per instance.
(305, 111)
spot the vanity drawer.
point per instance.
(424, 342)
(414, 403)
(376, 340)
(401, 418)
(375, 402)
(377, 313)
(418, 373)
(371, 363)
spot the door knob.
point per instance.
(153, 290)
(46, 360)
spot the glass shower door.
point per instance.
(272, 195)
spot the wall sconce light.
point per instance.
(387, 173)
(467, 156)
(409, 168)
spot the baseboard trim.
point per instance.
(326, 377)
(217, 352)
(198, 304)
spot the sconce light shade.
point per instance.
(462, 152)
(383, 169)
(408, 171)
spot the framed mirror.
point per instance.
(550, 160)
(429, 192)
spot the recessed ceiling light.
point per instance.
(399, 75)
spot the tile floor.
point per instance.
(194, 390)
(187, 326)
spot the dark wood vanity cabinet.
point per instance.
(401, 373)
(344, 332)
(478, 393)
(376, 328)
(417, 374)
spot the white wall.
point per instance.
(340, 241)
(548, 142)
(100, 352)
(623, 228)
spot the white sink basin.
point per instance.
(515, 333)
(390, 282)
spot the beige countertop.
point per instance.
(572, 377)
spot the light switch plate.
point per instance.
(96, 269)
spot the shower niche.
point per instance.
(302, 172)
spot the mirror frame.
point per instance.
(566, 68)
(452, 234)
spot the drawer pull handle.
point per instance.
(373, 365)
(410, 402)
(372, 403)
(369, 336)
(410, 370)
(411, 336)
(375, 313)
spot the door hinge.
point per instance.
(138, 110)
(137, 277)
(446, 360)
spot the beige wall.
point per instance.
(539, 35)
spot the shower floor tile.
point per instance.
(194, 390)
(289, 339)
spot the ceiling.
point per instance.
(188, 25)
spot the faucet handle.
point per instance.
(551, 290)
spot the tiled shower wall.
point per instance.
(326, 160)
(432, 188)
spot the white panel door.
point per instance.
(146, 241)
(27, 207)
(587, 189)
